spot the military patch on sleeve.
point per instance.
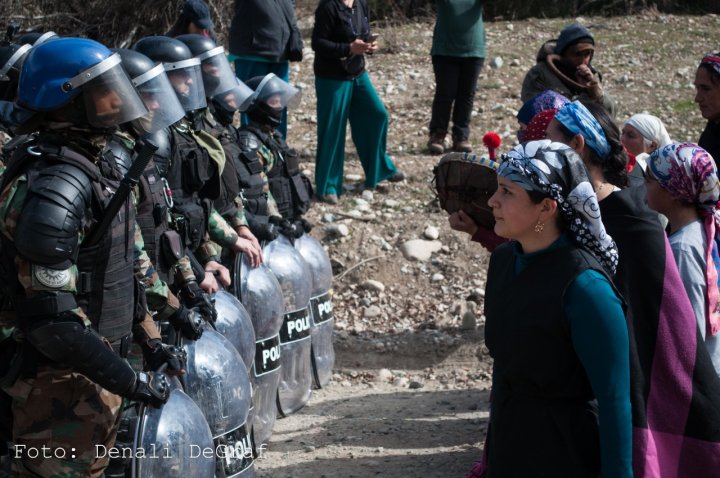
(52, 278)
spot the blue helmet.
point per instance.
(56, 73)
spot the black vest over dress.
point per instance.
(543, 419)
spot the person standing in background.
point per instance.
(707, 96)
(264, 38)
(458, 54)
(341, 38)
(194, 18)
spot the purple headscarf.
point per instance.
(546, 100)
(688, 173)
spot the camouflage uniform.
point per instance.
(53, 406)
(56, 407)
(268, 159)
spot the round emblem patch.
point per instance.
(52, 278)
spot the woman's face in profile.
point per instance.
(707, 94)
(633, 140)
(515, 214)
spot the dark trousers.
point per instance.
(456, 81)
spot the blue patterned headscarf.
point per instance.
(556, 171)
(575, 117)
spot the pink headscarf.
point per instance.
(688, 172)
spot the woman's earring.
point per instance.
(539, 227)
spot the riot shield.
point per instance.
(321, 308)
(292, 273)
(218, 382)
(260, 293)
(170, 441)
(234, 322)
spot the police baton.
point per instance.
(147, 150)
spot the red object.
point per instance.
(537, 127)
(631, 160)
(492, 141)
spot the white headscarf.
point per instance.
(651, 128)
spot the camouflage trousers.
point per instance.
(58, 419)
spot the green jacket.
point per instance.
(459, 29)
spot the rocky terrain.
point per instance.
(409, 397)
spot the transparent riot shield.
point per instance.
(218, 382)
(294, 277)
(234, 322)
(169, 441)
(321, 307)
(260, 293)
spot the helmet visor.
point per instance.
(110, 98)
(276, 93)
(238, 98)
(186, 80)
(163, 105)
(217, 75)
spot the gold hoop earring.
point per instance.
(539, 227)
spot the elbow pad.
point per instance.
(47, 230)
(72, 344)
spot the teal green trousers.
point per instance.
(357, 101)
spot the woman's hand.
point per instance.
(460, 221)
(359, 47)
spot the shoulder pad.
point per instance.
(247, 140)
(121, 154)
(48, 228)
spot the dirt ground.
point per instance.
(409, 396)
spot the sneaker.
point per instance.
(329, 198)
(436, 144)
(397, 177)
(461, 146)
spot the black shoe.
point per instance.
(397, 177)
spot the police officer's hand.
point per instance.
(158, 354)
(209, 284)
(253, 253)
(246, 233)
(188, 322)
(289, 229)
(266, 231)
(305, 225)
(193, 297)
(151, 388)
(221, 273)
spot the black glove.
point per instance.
(305, 225)
(288, 229)
(265, 231)
(188, 322)
(195, 298)
(151, 388)
(157, 354)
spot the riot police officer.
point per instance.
(168, 266)
(190, 158)
(290, 189)
(69, 281)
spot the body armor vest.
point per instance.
(291, 190)
(105, 281)
(152, 217)
(187, 173)
(249, 173)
